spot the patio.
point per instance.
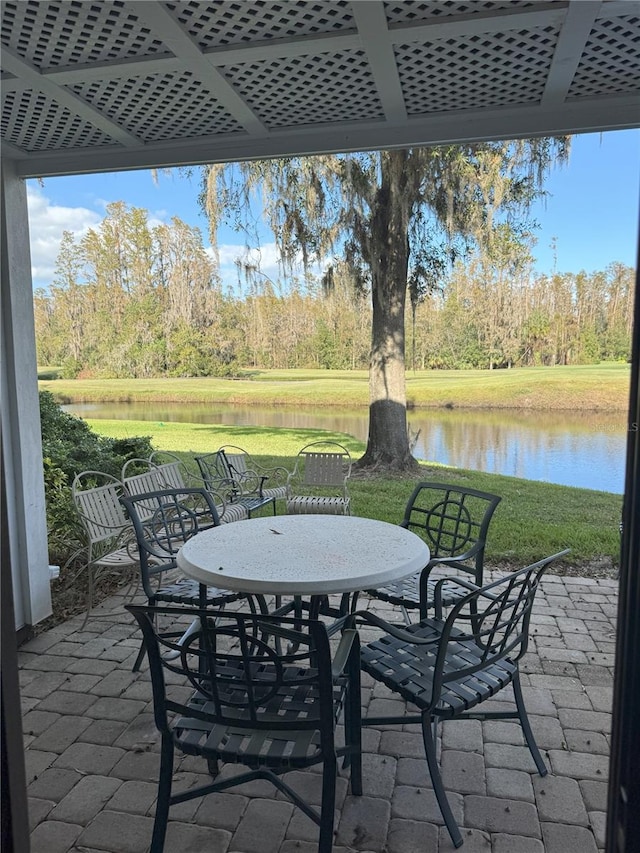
(92, 752)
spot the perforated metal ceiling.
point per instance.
(101, 85)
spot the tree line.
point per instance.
(132, 299)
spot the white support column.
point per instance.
(20, 413)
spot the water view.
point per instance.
(586, 450)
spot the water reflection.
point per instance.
(585, 449)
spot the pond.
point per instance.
(586, 449)
(582, 449)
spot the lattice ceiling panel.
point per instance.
(611, 61)
(309, 89)
(413, 11)
(159, 106)
(475, 72)
(36, 123)
(151, 83)
(225, 23)
(53, 34)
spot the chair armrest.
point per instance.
(398, 633)
(437, 593)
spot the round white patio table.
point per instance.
(303, 555)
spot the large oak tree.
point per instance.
(393, 217)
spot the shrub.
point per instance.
(70, 446)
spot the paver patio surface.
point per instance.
(92, 752)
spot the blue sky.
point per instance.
(591, 211)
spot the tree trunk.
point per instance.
(388, 257)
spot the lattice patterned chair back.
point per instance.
(454, 522)
(253, 704)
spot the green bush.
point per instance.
(70, 446)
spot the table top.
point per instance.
(303, 554)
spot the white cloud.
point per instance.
(47, 222)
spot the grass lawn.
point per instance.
(534, 519)
(603, 387)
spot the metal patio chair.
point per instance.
(241, 491)
(163, 521)
(110, 540)
(254, 705)
(164, 471)
(447, 667)
(319, 480)
(250, 476)
(454, 522)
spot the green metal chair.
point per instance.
(453, 521)
(447, 667)
(252, 704)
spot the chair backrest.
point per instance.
(488, 625)
(235, 460)
(163, 521)
(139, 477)
(324, 463)
(235, 663)
(216, 476)
(171, 470)
(453, 521)
(96, 496)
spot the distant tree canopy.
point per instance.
(135, 300)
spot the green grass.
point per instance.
(603, 387)
(534, 519)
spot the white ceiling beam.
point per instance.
(586, 115)
(164, 27)
(32, 79)
(11, 151)
(618, 8)
(372, 27)
(265, 51)
(100, 72)
(566, 58)
(480, 23)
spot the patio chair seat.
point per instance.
(407, 670)
(310, 504)
(187, 591)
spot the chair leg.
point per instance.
(164, 794)
(436, 780)
(405, 614)
(526, 727)
(89, 594)
(327, 809)
(353, 736)
(138, 661)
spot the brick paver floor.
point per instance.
(92, 752)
